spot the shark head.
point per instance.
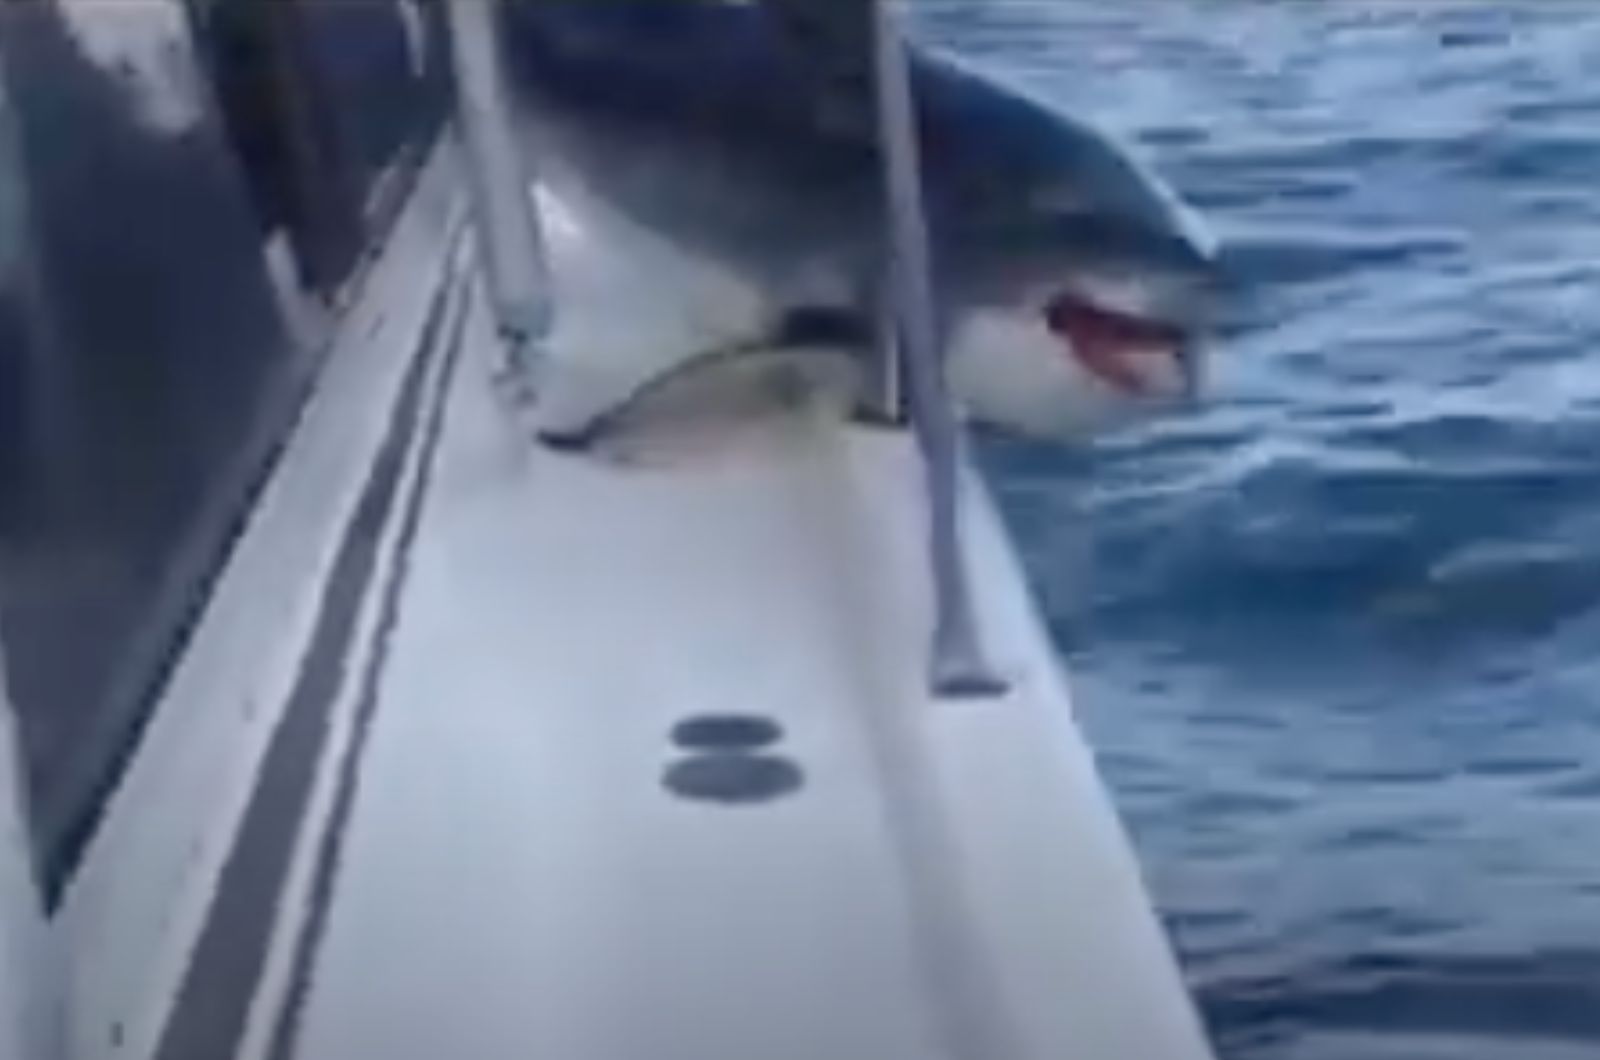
(1075, 281)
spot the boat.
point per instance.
(347, 721)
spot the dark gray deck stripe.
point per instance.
(71, 812)
(285, 1032)
(213, 1004)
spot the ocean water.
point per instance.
(1335, 636)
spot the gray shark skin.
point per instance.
(746, 133)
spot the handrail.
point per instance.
(958, 665)
(510, 242)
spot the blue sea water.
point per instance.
(1334, 635)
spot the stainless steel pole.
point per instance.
(958, 665)
(508, 230)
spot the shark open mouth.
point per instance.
(1119, 348)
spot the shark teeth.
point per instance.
(1121, 349)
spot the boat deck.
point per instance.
(542, 857)
(609, 759)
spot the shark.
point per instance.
(1073, 285)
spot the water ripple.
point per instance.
(1333, 634)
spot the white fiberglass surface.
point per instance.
(519, 876)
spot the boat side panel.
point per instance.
(146, 353)
(147, 373)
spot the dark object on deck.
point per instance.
(734, 778)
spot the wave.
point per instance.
(1551, 996)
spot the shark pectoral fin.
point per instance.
(805, 350)
(709, 402)
(591, 408)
